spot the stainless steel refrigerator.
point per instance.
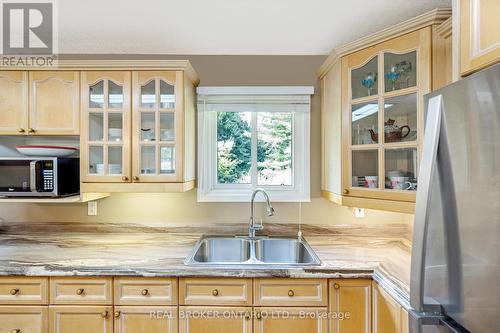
(455, 277)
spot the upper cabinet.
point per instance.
(383, 116)
(106, 122)
(373, 113)
(39, 103)
(158, 126)
(13, 102)
(479, 34)
(54, 103)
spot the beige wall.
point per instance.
(183, 208)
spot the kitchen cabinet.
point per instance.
(291, 320)
(442, 55)
(105, 141)
(19, 319)
(54, 103)
(373, 112)
(290, 292)
(215, 291)
(388, 314)
(479, 34)
(145, 291)
(81, 290)
(24, 290)
(39, 103)
(145, 319)
(215, 319)
(14, 102)
(80, 319)
(352, 298)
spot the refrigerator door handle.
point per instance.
(427, 170)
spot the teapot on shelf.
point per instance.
(393, 133)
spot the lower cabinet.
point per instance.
(201, 319)
(350, 304)
(20, 319)
(80, 319)
(388, 315)
(138, 319)
(291, 320)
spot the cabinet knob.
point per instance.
(336, 286)
(291, 293)
(80, 291)
(15, 330)
(247, 315)
(117, 314)
(31, 130)
(215, 292)
(135, 178)
(14, 291)
(258, 315)
(125, 178)
(21, 130)
(345, 191)
(144, 292)
(104, 314)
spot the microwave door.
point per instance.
(15, 176)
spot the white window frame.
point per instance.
(254, 99)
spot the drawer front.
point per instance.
(147, 319)
(141, 291)
(97, 291)
(291, 292)
(24, 290)
(201, 291)
(32, 319)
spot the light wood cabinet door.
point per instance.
(23, 319)
(193, 319)
(386, 312)
(80, 319)
(212, 291)
(136, 319)
(479, 34)
(24, 290)
(105, 155)
(145, 291)
(291, 320)
(157, 126)
(54, 103)
(13, 103)
(290, 292)
(81, 290)
(350, 304)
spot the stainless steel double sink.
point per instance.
(263, 251)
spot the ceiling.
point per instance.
(292, 27)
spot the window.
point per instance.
(250, 137)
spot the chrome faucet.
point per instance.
(252, 227)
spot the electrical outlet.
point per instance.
(92, 208)
(359, 212)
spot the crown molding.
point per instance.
(435, 16)
(445, 28)
(100, 65)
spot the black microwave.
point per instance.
(39, 177)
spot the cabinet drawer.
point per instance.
(32, 319)
(81, 290)
(200, 291)
(80, 319)
(291, 292)
(140, 291)
(23, 290)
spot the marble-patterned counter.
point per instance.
(59, 249)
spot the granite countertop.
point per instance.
(67, 249)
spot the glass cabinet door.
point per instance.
(105, 141)
(384, 117)
(155, 126)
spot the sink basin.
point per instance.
(222, 249)
(284, 251)
(252, 252)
